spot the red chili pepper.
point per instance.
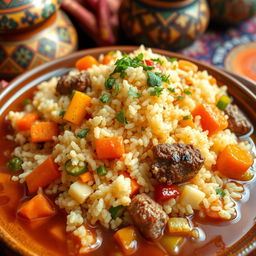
(149, 62)
(166, 192)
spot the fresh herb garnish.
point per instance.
(179, 97)
(171, 59)
(156, 91)
(154, 80)
(187, 92)
(82, 134)
(112, 52)
(220, 192)
(110, 83)
(101, 170)
(171, 89)
(105, 98)
(187, 117)
(26, 102)
(160, 62)
(120, 117)
(62, 113)
(133, 93)
(116, 88)
(163, 77)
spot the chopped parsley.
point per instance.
(171, 59)
(110, 83)
(116, 88)
(179, 97)
(154, 80)
(160, 62)
(163, 77)
(156, 91)
(220, 192)
(112, 52)
(105, 98)
(187, 92)
(81, 134)
(26, 102)
(133, 93)
(120, 117)
(62, 113)
(171, 89)
(187, 117)
(101, 170)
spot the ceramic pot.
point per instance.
(32, 32)
(231, 12)
(164, 24)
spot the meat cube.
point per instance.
(79, 82)
(237, 122)
(176, 163)
(148, 216)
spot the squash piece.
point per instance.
(170, 243)
(43, 131)
(178, 225)
(25, 123)
(77, 108)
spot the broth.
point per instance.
(218, 235)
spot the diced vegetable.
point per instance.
(126, 239)
(135, 186)
(223, 102)
(193, 196)
(43, 131)
(43, 175)
(102, 171)
(105, 98)
(107, 59)
(178, 225)
(82, 134)
(80, 191)
(25, 123)
(234, 161)
(165, 192)
(220, 192)
(212, 119)
(187, 122)
(15, 164)
(86, 177)
(248, 175)
(58, 232)
(170, 243)
(187, 66)
(212, 81)
(86, 62)
(37, 207)
(120, 117)
(77, 109)
(75, 170)
(109, 148)
(116, 211)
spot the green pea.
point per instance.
(14, 164)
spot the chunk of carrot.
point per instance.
(187, 122)
(86, 62)
(43, 131)
(187, 66)
(213, 81)
(212, 119)
(77, 108)
(234, 161)
(135, 186)
(25, 123)
(37, 207)
(107, 59)
(126, 239)
(109, 148)
(86, 177)
(43, 175)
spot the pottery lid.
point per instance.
(20, 14)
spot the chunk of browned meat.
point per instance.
(79, 82)
(176, 163)
(148, 216)
(237, 122)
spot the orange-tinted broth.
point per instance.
(218, 234)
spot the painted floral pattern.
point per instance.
(29, 18)
(48, 10)
(23, 56)
(7, 23)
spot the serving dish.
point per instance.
(15, 237)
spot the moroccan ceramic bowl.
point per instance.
(164, 24)
(231, 12)
(237, 238)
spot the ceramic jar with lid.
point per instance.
(171, 24)
(32, 32)
(230, 12)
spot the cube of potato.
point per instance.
(178, 225)
(79, 191)
(170, 243)
(193, 196)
